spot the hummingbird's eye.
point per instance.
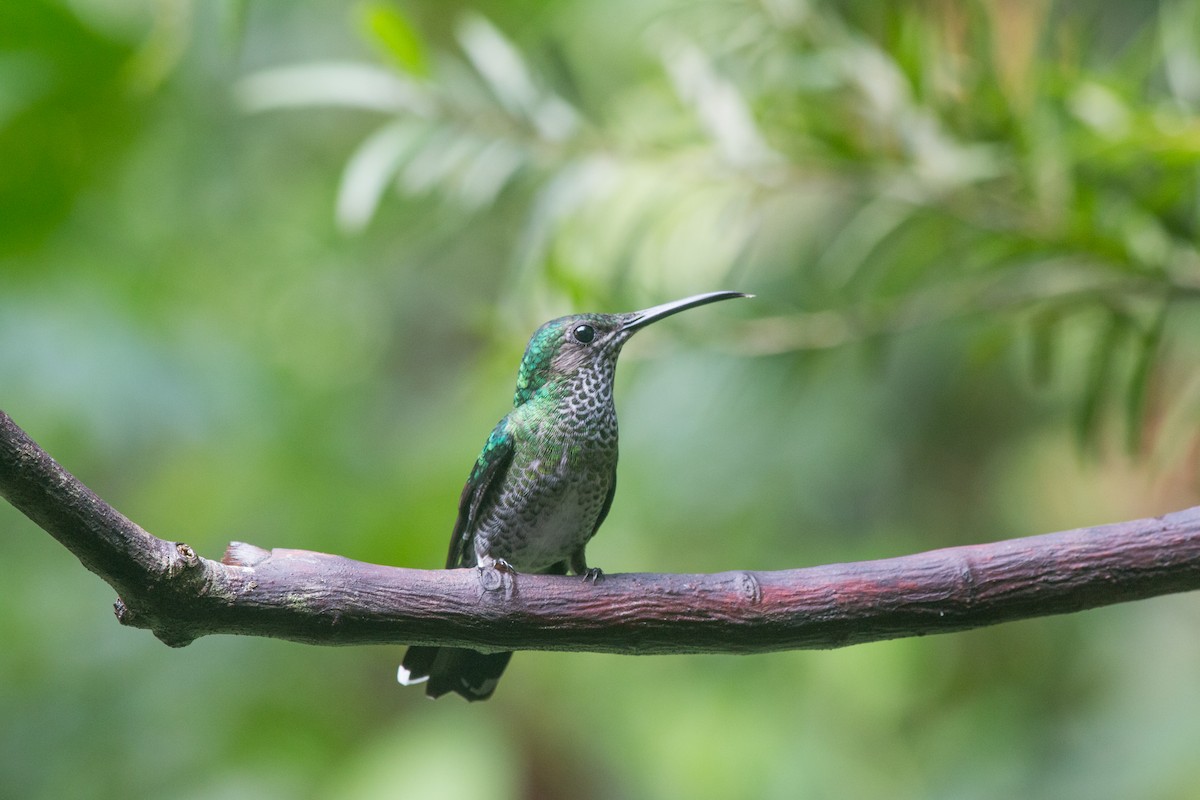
(584, 333)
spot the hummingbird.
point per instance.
(545, 479)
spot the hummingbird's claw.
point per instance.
(594, 575)
(492, 575)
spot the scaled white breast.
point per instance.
(561, 528)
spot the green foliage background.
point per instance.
(266, 271)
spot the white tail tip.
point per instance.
(405, 678)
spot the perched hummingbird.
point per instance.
(545, 479)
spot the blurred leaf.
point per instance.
(489, 171)
(1100, 376)
(1179, 26)
(859, 237)
(1147, 352)
(1043, 337)
(361, 86)
(500, 64)
(437, 164)
(718, 104)
(370, 171)
(385, 24)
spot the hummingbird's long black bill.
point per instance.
(644, 317)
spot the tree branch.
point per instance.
(326, 599)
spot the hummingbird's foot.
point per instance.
(496, 574)
(594, 575)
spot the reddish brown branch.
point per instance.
(327, 599)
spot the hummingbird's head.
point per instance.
(565, 346)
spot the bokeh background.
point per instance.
(267, 270)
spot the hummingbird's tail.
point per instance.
(472, 674)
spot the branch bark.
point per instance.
(327, 599)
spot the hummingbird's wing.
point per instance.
(456, 669)
(487, 474)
